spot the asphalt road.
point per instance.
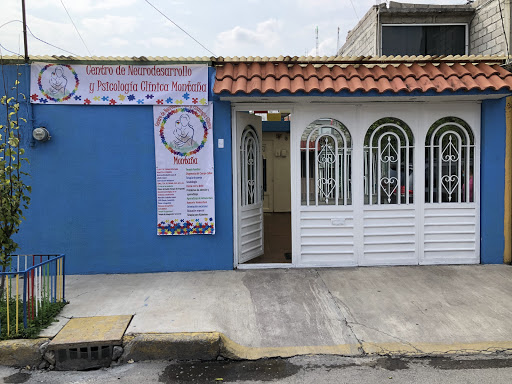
(309, 369)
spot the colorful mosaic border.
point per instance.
(39, 82)
(196, 112)
(186, 227)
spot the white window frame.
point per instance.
(466, 27)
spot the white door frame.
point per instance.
(238, 107)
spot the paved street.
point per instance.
(298, 370)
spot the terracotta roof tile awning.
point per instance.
(263, 77)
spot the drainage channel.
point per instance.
(88, 342)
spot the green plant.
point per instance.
(45, 316)
(13, 189)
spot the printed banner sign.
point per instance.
(185, 84)
(184, 170)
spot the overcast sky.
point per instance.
(225, 27)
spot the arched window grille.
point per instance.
(449, 165)
(250, 154)
(388, 163)
(326, 149)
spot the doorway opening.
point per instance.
(264, 203)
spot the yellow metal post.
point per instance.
(7, 301)
(507, 254)
(58, 280)
(17, 301)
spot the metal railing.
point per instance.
(31, 283)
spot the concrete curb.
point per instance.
(21, 352)
(171, 346)
(436, 349)
(211, 345)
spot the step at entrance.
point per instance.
(87, 342)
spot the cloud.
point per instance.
(162, 43)
(116, 42)
(61, 34)
(110, 25)
(80, 6)
(242, 41)
(326, 47)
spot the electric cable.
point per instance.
(37, 38)
(76, 29)
(51, 45)
(188, 34)
(8, 50)
(354, 8)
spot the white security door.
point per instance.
(451, 193)
(389, 214)
(326, 219)
(250, 186)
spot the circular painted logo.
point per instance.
(58, 82)
(184, 130)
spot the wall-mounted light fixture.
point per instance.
(41, 134)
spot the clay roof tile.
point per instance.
(298, 84)
(324, 72)
(281, 71)
(432, 71)
(327, 84)
(487, 70)
(265, 76)
(341, 84)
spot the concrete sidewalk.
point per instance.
(396, 310)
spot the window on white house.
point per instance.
(423, 40)
(325, 150)
(449, 162)
(388, 163)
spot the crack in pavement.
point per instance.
(342, 316)
(345, 312)
(388, 334)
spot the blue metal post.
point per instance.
(63, 277)
(54, 282)
(25, 299)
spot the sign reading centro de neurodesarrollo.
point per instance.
(59, 83)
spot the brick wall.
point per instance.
(361, 41)
(486, 35)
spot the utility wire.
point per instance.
(14, 53)
(354, 8)
(504, 32)
(76, 29)
(37, 38)
(188, 34)
(51, 45)
(9, 22)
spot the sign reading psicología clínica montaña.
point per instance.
(184, 170)
(58, 83)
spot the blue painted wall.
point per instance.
(94, 193)
(492, 167)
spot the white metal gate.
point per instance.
(250, 188)
(386, 184)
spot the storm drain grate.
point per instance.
(88, 342)
(84, 357)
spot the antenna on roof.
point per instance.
(338, 42)
(316, 34)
